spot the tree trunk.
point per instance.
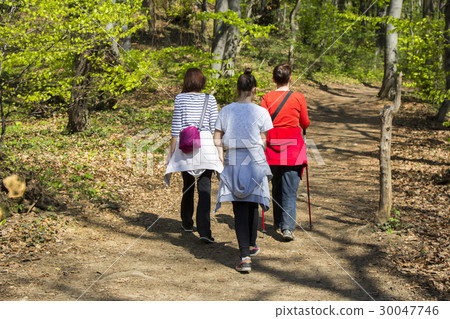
(79, 101)
(226, 38)
(294, 30)
(384, 211)
(232, 43)
(440, 117)
(220, 36)
(391, 54)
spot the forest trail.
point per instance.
(341, 259)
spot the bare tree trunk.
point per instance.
(294, 30)
(79, 101)
(384, 211)
(440, 117)
(220, 36)
(226, 38)
(233, 40)
(391, 55)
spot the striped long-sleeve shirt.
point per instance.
(188, 110)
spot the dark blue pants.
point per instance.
(203, 218)
(246, 225)
(285, 183)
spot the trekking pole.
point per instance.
(264, 224)
(307, 185)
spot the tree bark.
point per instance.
(232, 43)
(384, 210)
(226, 38)
(294, 30)
(388, 88)
(79, 101)
(440, 117)
(220, 36)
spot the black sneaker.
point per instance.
(187, 229)
(288, 235)
(254, 251)
(244, 266)
(207, 240)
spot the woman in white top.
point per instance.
(240, 129)
(199, 164)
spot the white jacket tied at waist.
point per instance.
(196, 162)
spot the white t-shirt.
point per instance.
(242, 124)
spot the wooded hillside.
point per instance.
(85, 85)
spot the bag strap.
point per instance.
(274, 115)
(199, 127)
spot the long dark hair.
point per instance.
(246, 81)
(194, 81)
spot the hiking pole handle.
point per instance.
(304, 132)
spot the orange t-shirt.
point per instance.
(294, 112)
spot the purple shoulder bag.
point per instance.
(190, 136)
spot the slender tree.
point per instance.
(388, 88)
(387, 115)
(294, 31)
(226, 38)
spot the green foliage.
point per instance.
(41, 40)
(248, 29)
(421, 44)
(338, 43)
(328, 42)
(179, 12)
(394, 224)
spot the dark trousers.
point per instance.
(203, 218)
(285, 183)
(246, 225)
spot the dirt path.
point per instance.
(341, 259)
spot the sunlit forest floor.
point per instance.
(111, 230)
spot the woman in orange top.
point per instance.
(286, 152)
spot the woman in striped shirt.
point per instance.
(199, 164)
